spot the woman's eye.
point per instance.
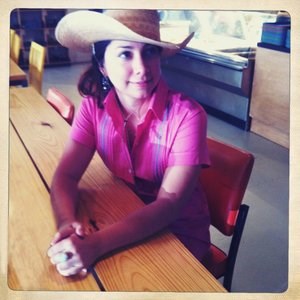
(151, 52)
(125, 55)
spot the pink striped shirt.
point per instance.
(172, 133)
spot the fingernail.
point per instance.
(83, 272)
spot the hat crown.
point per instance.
(142, 22)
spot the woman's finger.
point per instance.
(62, 246)
(60, 257)
(63, 233)
(78, 229)
(70, 268)
(68, 230)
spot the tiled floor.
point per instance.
(262, 263)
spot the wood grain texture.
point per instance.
(31, 227)
(44, 132)
(15, 72)
(160, 263)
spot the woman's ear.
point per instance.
(102, 70)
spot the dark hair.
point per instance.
(91, 81)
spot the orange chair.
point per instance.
(225, 183)
(61, 104)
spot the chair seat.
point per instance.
(215, 261)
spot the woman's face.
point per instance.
(133, 68)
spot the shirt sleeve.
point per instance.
(190, 145)
(83, 129)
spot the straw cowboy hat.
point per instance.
(80, 29)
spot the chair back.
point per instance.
(61, 104)
(11, 33)
(37, 56)
(225, 183)
(15, 47)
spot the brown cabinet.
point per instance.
(270, 101)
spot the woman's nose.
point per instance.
(139, 64)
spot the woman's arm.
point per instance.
(64, 192)
(176, 189)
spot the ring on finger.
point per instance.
(64, 256)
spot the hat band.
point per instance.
(146, 25)
(144, 30)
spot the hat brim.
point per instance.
(80, 29)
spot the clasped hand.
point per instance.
(70, 250)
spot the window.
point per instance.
(222, 31)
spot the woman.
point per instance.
(152, 138)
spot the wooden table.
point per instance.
(31, 227)
(16, 75)
(160, 263)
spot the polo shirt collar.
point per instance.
(113, 109)
(159, 99)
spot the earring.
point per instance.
(105, 84)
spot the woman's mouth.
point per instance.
(141, 83)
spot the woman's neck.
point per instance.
(133, 107)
